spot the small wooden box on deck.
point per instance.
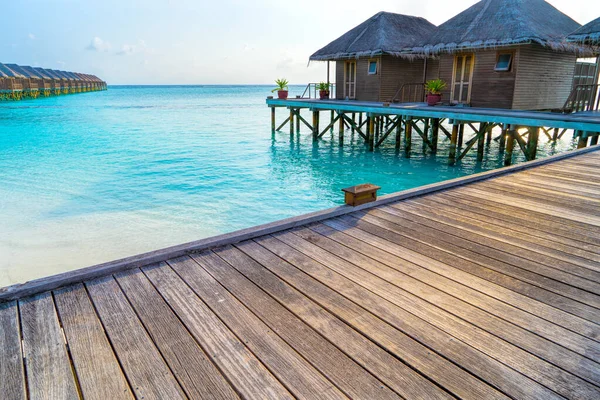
(360, 194)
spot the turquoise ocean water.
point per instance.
(94, 177)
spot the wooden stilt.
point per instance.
(407, 137)
(341, 128)
(272, 120)
(297, 120)
(315, 124)
(594, 140)
(360, 119)
(510, 145)
(488, 139)
(332, 118)
(435, 129)
(291, 121)
(532, 142)
(481, 137)
(555, 135)
(398, 132)
(353, 120)
(583, 139)
(453, 140)
(371, 132)
(502, 139)
(461, 134)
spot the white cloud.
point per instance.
(61, 63)
(31, 36)
(98, 44)
(140, 47)
(126, 49)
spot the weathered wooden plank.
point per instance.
(49, 373)
(570, 285)
(98, 371)
(547, 246)
(290, 286)
(543, 372)
(488, 369)
(496, 276)
(191, 366)
(296, 373)
(563, 259)
(475, 211)
(245, 372)
(388, 252)
(11, 359)
(468, 304)
(143, 365)
(347, 375)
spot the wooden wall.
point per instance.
(544, 78)
(367, 86)
(490, 89)
(395, 72)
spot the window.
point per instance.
(503, 62)
(372, 67)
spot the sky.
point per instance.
(202, 42)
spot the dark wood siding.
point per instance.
(367, 86)
(397, 71)
(544, 78)
(446, 63)
(339, 80)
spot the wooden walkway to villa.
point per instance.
(486, 290)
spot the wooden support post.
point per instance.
(315, 124)
(483, 131)
(510, 144)
(272, 120)
(297, 120)
(291, 121)
(435, 129)
(398, 132)
(555, 135)
(332, 118)
(502, 143)
(371, 132)
(532, 142)
(353, 120)
(488, 139)
(341, 129)
(360, 119)
(453, 140)
(594, 140)
(583, 139)
(407, 137)
(461, 134)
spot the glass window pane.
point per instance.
(459, 65)
(503, 63)
(372, 67)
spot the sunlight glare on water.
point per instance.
(94, 177)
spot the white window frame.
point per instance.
(510, 61)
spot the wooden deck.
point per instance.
(488, 290)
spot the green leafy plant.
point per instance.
(323, 86)
(435, 86)
(282, 84)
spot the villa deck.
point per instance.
(484, 287)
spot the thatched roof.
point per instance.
(18, 69)
(589, 33)
(47, 72)
(9, 72)
(497, 23)
(383, 33)
(33, 73)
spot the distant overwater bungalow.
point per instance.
(24, 82)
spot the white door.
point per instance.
(350, 79)
(462, 78)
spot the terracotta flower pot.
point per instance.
(433, 99)
(282, 94)
(324, 94)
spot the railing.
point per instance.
(410, 93)
(311, 91)
(583, 98)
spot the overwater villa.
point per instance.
(17, 82)
(497, 53)
(588, 34)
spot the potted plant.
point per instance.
(281, 89)
(434, 89)
(323, 90)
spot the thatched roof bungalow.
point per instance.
(587, 34)
(497, 53)
(368, 66)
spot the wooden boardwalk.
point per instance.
(489, 290)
